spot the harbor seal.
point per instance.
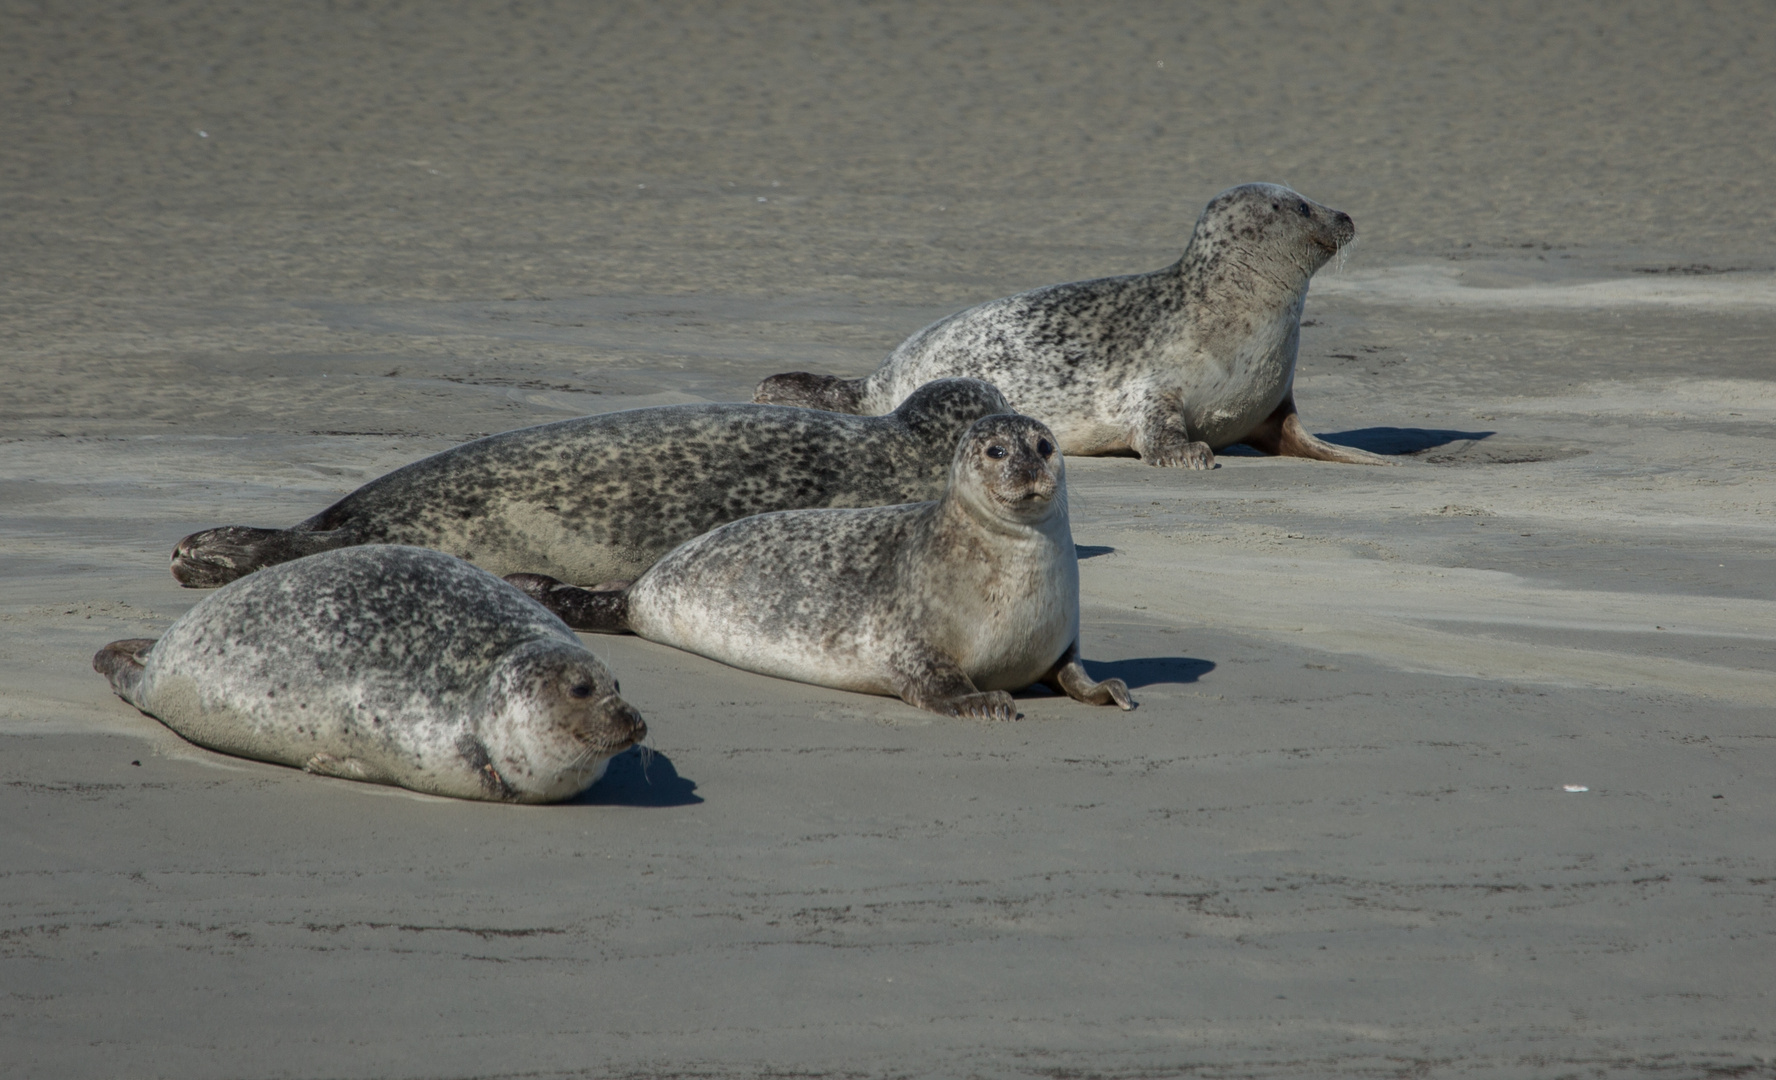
(601, 497)
(1172, 365)
(393, 665)
(945, 604)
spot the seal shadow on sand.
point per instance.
(634, 780)
(1443, 446)
(1150, 670)
(1398, 440)
(1136, 672)
(1382, 440)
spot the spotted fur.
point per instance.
(946, 604)
(601, 497)
(393, 665)
(1170, 365)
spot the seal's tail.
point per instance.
(121, 662)
(808, 391)
(215, 557)
(603, 609)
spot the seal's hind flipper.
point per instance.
(1281, 435)
(1069, 677)
(805, 390)
(599, 611)
(121, 663)
(213, 557)
(1297, 442)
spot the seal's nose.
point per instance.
(1038, 477)
(1343, 227)
(624, 720)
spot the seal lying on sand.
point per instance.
(1173, 365)
(946, 604)
(393, 665)
(602, 497)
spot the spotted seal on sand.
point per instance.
(945, 604)
(393, 665)
(601, 497)
(1172, 364)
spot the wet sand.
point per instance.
(255, 258)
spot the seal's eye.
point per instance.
(1306, 211)
(1043, 447)
(995, 451)
(581, 690)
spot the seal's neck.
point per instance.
(1213, 270)
(1232, 295)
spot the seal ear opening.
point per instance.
(121, 662)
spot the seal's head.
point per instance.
(1278, 226)
(942, 409)
(215, 557)
(553, 721)
(1008, 468)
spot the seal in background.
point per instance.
(1171, 365)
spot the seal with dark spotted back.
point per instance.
(393, 665)
(601, 497)
(945, 604)
(1172, 364)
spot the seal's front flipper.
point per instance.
(1281, 435)
(937, 685)
(1069, 677)
(599, 611)
(809, 391)
(348, 768)
(983, 705)
(213, 557)
(493, 785)
(121, 663)
(1162, 438)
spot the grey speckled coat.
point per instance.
(601, 497)
(1171, 364)
(389, 664)
(945, 604)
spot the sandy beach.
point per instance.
(256, 255)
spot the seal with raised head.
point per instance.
(1172, 365)
(601, 497)
(393, 665)
(945, 604)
